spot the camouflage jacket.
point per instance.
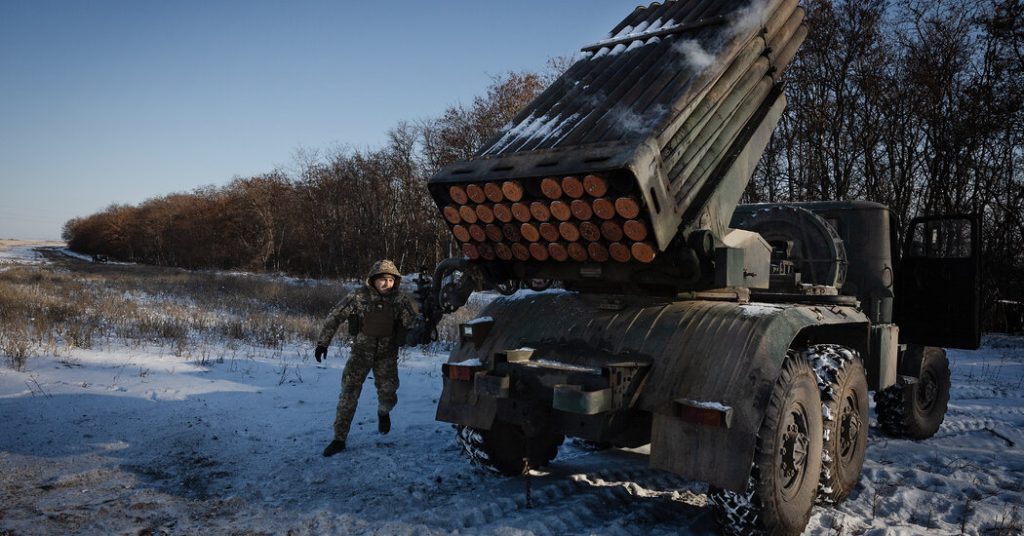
(365, 306)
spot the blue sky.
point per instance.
(118, 101)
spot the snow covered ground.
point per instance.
(23, 251)
(133, 439)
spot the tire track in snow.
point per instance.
(958, 426)
(626, 501)
(977, 392)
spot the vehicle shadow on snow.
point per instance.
(607, 492)
(262, 446)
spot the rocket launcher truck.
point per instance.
(740, 341)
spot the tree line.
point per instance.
(916, 104)
(332, 218)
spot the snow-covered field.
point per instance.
(23, 251)
(132, 439)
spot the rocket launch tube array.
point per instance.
(598, 218)
(717, 114)
(566, 219)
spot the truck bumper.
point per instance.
(590, 403)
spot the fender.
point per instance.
(731, 354)
(911, 358)
(721, 352)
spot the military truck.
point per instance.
(739, 341)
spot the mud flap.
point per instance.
(708, 458)
(460, 403)
(489, 385)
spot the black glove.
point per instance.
(320, 352)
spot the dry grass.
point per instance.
(71, 304)
(52, 309)
(1010, 523)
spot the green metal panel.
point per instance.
(719, 352)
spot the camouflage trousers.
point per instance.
(384, 365)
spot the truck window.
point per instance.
(941, 239)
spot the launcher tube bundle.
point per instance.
(628, 167)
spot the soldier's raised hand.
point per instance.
(320, 352)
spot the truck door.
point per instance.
(937, 286)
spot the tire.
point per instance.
(844, 402)
(787, 461)
(915, 408)
(506, 450)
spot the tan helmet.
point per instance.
(382, 267)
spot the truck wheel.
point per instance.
(787, 463)
(916, 409)
(505, 449)
(844, 401)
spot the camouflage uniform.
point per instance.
(380, 324)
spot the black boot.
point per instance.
(335, 447)
(383, 423)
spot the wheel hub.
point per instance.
(927, 391)
(793, 451)
(849, 428)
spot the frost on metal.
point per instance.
(525, 294)
(760, 309)
(706, 404)
(532, 129)
(480, 320)
(642, 35)
(564, 366)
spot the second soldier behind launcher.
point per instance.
(378, 315)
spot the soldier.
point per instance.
(377, 315)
